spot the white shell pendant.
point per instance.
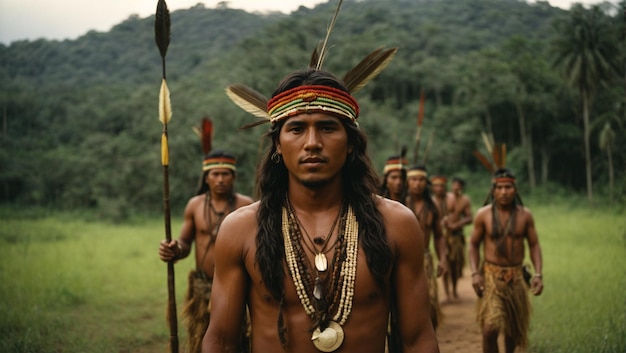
(321, 264)
(328, 340)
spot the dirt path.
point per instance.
(459, 331)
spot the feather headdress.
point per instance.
(205, 133)
(355, 79)
(496, 152)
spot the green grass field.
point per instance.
(78, 286)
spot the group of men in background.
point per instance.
(501, 227)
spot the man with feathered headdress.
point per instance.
(421, 203)
(203, 216)
(320, 259)
(501, 227)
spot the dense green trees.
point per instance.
(80, 126)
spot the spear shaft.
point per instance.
(162, 37)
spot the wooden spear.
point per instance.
(162, 37)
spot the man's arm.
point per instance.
(409, 280)
(229, 287)
(478, 234)
(179, 249)
(535, 254)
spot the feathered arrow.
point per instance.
(162, 37)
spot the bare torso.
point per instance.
(205, 222)
(514, 242)
(365, 329)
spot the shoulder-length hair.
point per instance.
(359, 182)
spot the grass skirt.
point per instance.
(197, 310)
(505, 305)
(431, 275)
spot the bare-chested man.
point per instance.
(394, 179)
(459, 216)
(320, 259)
(501, 227)
(203, 216)
(421, 203)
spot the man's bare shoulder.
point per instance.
(243, 200)
(240, 224)
(399, 219)
(245, 213)
(196, 201)
(483, 211)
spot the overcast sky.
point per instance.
(70, 19)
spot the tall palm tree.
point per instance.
(586, 49)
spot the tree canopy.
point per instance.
(80, 124)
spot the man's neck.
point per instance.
(418, 197)
(315, 199)
(219, 197)
(505, 208)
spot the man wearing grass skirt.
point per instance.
(501, 227)
(202, 219)
(421, 203)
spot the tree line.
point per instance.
(80, 126)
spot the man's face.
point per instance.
(220, 181)
(394, 182)
(457, 188)
(314, 148)
(417, 184)
(504, 193)
(439, 189)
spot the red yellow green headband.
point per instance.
(219, 162)
(312, 99)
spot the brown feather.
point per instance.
(254, 123)
(484, 161)
(368, 68)
(315, 56)
(420, 114)
(496, 155)
(207, 135)
(249, 100)
(503, 156)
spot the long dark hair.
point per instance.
(359, 183)
(384, 191)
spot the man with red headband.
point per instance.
(320, 260)
(203, 216)
(501, 227)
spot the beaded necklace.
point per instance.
(318, 303)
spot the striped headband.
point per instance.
(312, 99)
(416, 172)
(219, 162)
(504, 180)
(438, 180)
(395, 164)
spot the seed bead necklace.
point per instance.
(328, 336)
